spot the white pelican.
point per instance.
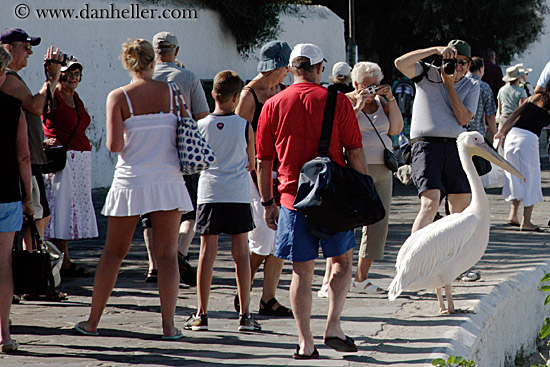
(435, 255)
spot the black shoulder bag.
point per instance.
(56, 156)
(335, 198)
(389, 157)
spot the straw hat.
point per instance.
(524, 69)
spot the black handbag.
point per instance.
(389, 158)
(32, 271)
(56, 156)
(335, 198)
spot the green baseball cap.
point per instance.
(462, 47)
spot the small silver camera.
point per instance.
(371, 89)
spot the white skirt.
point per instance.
(69, 193)
(521, 149)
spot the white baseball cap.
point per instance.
(311, 51)
(341, 70)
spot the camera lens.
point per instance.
(449, 66)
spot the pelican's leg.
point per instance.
(442, 309)
(449, 296)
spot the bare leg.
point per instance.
(255, 263)
(148, 237)
(429, 203)
(273, 267)
(300, 300)
(63, 246)
(328, 269)
(208, 251)
(338, 289)
(6, 285)
(459, 202)
(186, 235)
(239, 250)
(449, 295)
(363, 267)
(514, 209)
(117, 244)
(165, 224)
(526, 221)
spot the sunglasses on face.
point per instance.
(462, 62)
(24, 46)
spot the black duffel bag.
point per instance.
(335, 198)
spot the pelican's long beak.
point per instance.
(485, 151)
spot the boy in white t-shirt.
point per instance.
(223, 198)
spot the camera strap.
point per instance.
(424, 73)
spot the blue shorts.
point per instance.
(11, 216)
(295, 243)
(437, 165)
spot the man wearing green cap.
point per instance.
(444, 104)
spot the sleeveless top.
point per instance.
(34, 128)
(9, 184)
(374, 150)
(259, 106)
(147, 174)
(533, 118)
(64, 119)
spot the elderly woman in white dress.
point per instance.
(141, 126)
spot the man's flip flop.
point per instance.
(536, 229)
(177, 336)
(313, 355)
(79, 327)
(341, 345)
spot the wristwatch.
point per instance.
(268, 203)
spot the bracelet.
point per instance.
(392, 99)
(268, 203)
(28, 204)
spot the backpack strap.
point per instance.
(425, 69)
(328, 119)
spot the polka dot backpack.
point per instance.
(194, 152)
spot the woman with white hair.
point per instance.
(375, 108)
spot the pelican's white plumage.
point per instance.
(435, 255)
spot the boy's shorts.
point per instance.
(295, 243)
(437, 165)
(228, 218)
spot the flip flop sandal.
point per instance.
(313, 355)
(341, 345)
(266, 309)
(177, 336)
(536, 229)
(79, 327)
(54, 297)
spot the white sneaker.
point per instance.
(365, 287)
(323, 292)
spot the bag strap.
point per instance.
(425, 69)
(328, 120)
(49, 102)
(374, 127)
(176, 92)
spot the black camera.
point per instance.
(66, 58)
(449, 66)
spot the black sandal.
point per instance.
(313, 355)
(266, 309)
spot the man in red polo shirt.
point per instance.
(289, 128)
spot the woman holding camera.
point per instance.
(69, 191)
(141, 126)
(378, 119)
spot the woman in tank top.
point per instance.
(374, 104)
(273, 69)
(141, 126)
(521, 148)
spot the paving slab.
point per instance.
(406, 332)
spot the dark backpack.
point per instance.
(404, 92)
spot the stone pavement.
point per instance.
(407, 332)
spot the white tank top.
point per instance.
(227, 180)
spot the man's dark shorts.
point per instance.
(437, 165)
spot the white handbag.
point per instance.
(193, 150)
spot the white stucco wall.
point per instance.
(206, 47)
